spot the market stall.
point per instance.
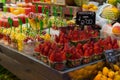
(61, 40)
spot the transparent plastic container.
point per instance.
(58, 65)
(74, 63)
(29, 47)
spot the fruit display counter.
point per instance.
(31, 68)
(40, 43)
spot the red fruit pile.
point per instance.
(61, 53)
(76, 35)
(62, 38)
(109, 43)
(4, 21)
(75, 53)
(98, 47)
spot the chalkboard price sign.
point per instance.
(86, 18)
(111, 56)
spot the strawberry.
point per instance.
(96, 34)
(46, 50)
(50, 51)
(100, 41)
(108, 40)
(65, 40)
(96, 48)
(91, 51)
(66, 47)
(56, 38)
(86, 53)
(115, 46)
(109, 46)
(81, 52)
(79, 46)
(85, 46)
(57, 57)
(37, 49)
(114, 41)
(53, 46)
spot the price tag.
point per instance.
(13, 1)
(85, 18)
(61, 2)
(111, 56)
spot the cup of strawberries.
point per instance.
(57, 60)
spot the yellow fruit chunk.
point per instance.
(95, 8)
(103, 77)
(98, 77)
(117, 77)
(85, 6)
(116, 67)
(105, 71)
(16, 12)
(109, 79)
(111, 74)
(91, 5)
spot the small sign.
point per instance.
(60, 2)
(111, 56)
(86, 18)
(13, 1)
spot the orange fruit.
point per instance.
(116, 30)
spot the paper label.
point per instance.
(61, 2)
